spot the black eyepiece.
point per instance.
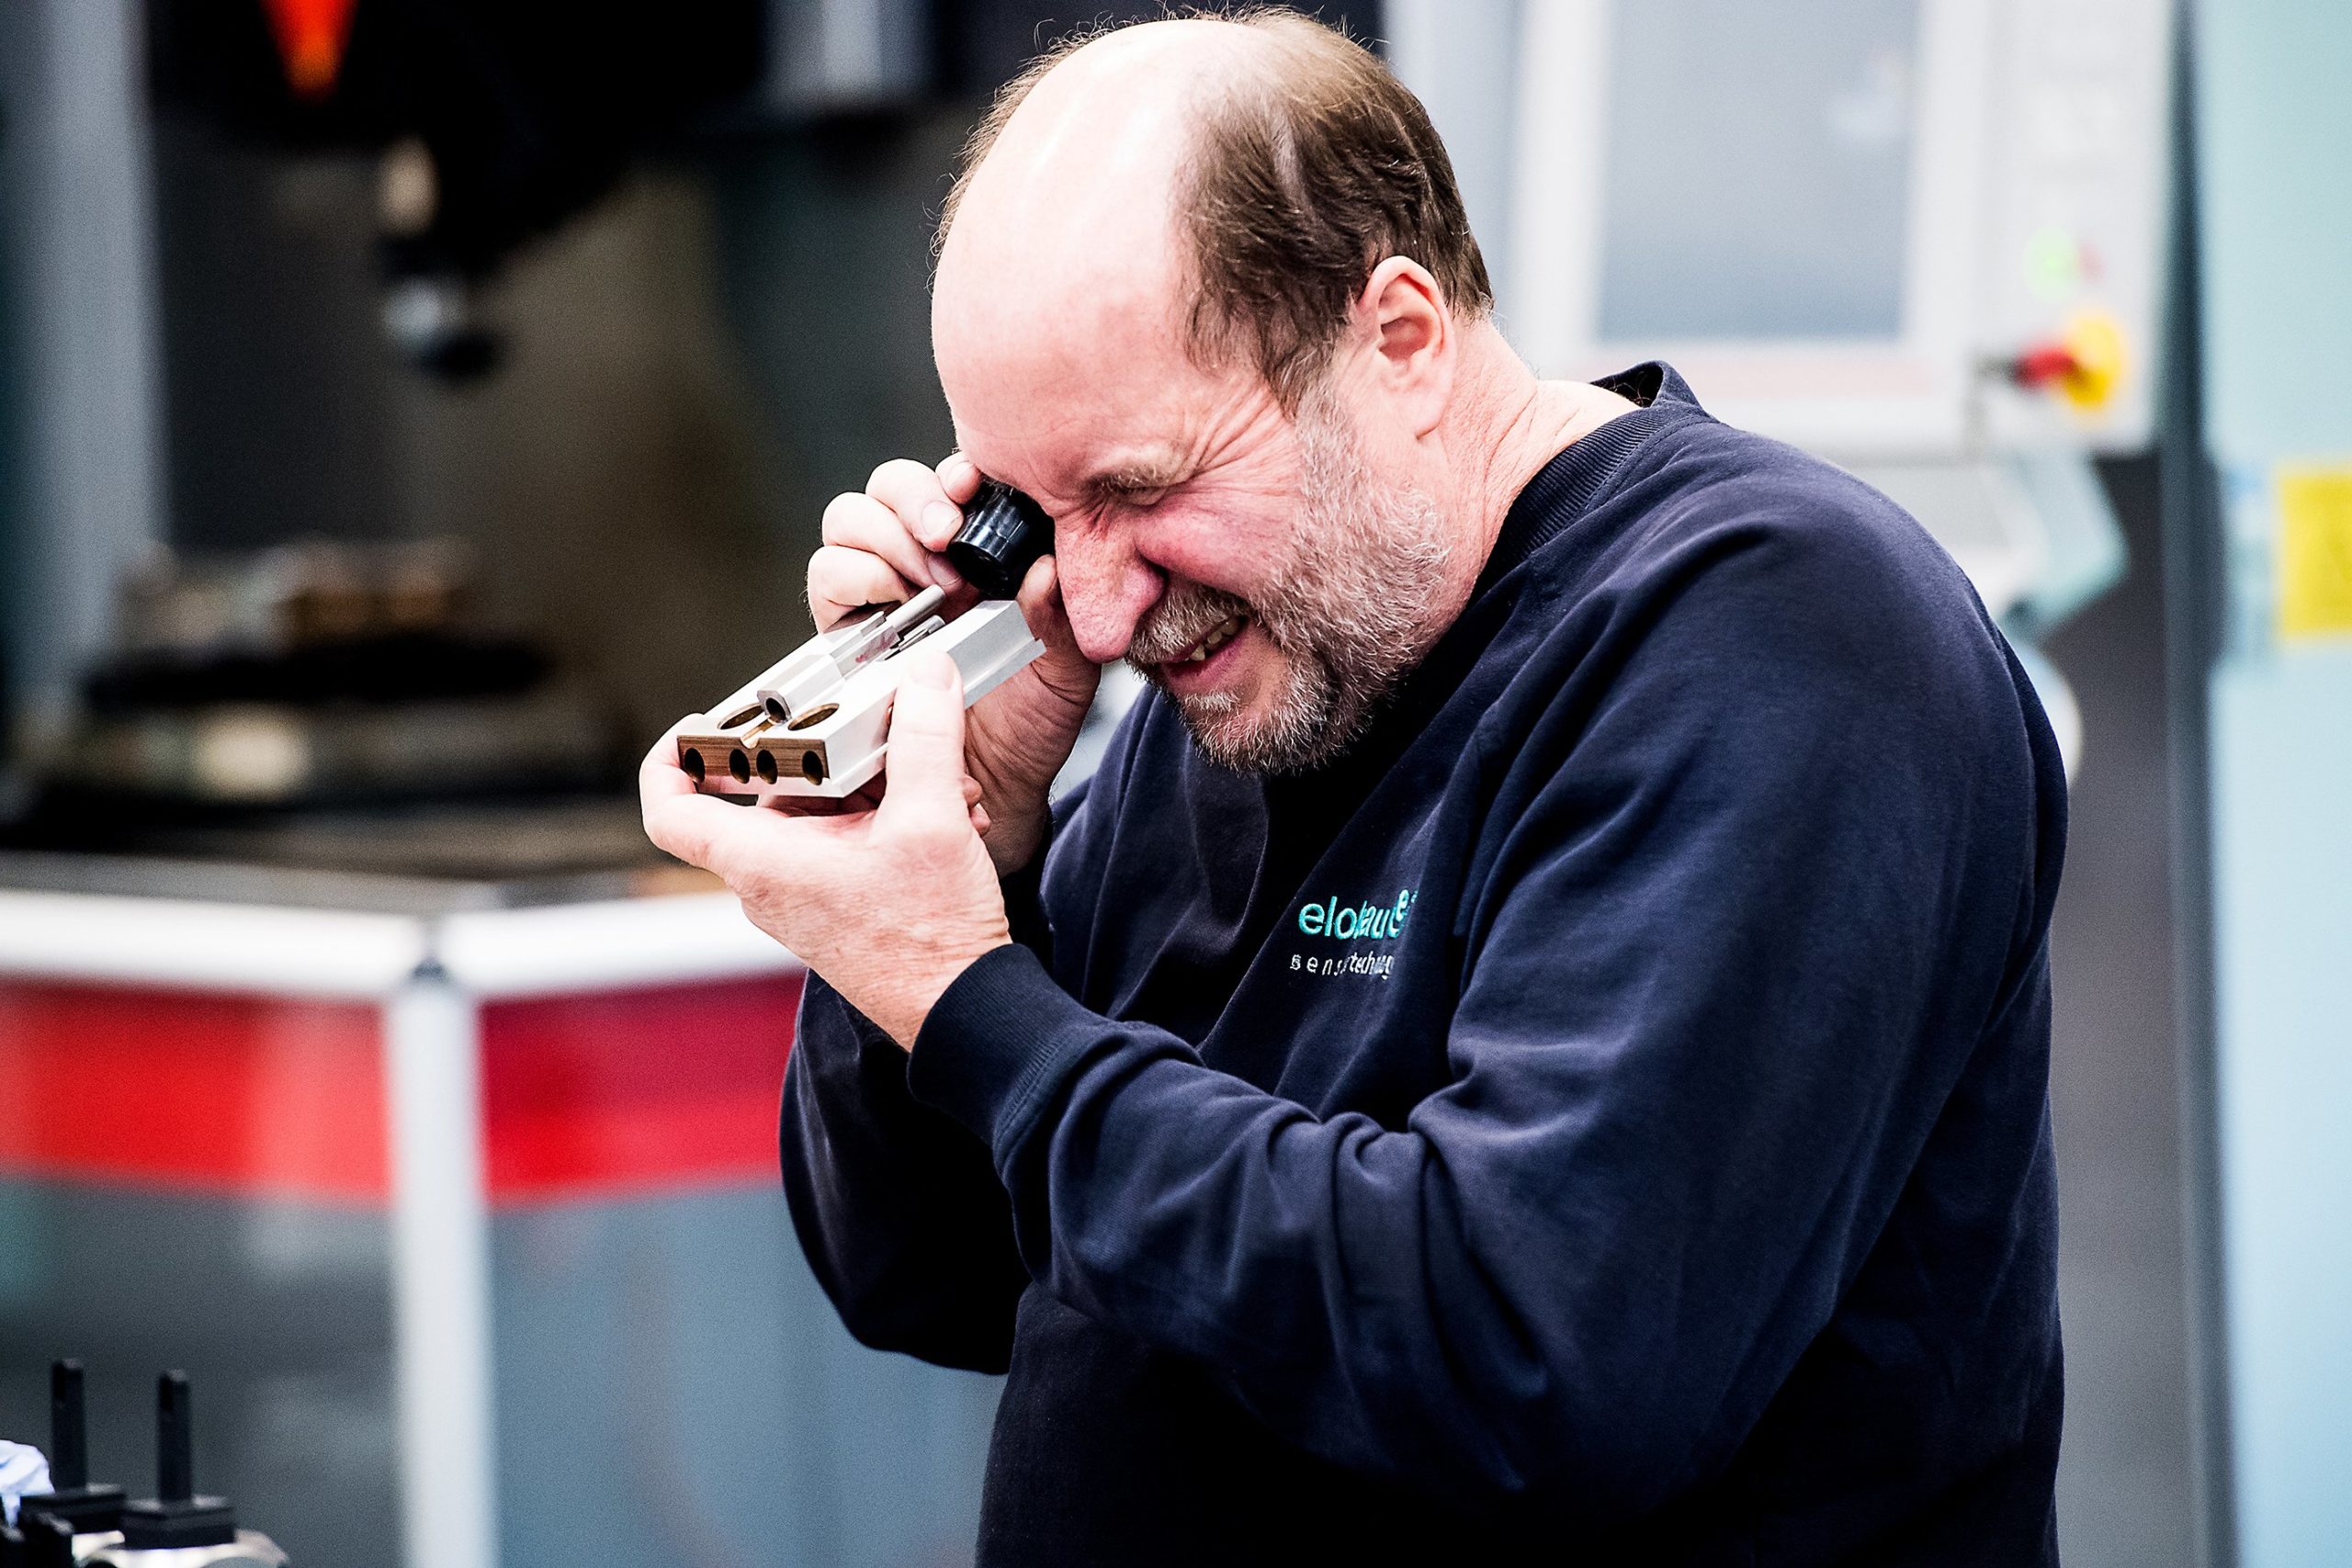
(1004, 533)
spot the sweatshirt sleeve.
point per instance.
(897, 1208)
(1740, 924)
(899, 1215)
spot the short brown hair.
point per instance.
(1309, 171)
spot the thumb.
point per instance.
(925, 753)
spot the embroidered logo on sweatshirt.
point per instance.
(1378, 921)
(1353, 923)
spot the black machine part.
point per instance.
(12, 1547)
(48, 1542)
(69, 1432)
(84, 1509)
(1004, 532)
(175, 1515)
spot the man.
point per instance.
(1532, 1046)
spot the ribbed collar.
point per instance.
(1554, 500)
(1570, 483)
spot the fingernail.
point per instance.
(940, 521)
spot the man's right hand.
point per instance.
(881, 546)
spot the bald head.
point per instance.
(1067, 217)
(1236, 179)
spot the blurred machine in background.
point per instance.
(1912, 231)
(1919, 237)
(495, 122)
(316, 673)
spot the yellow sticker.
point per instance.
(2314, 550)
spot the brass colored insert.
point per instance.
(815, 715)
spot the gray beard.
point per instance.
(1349, 611)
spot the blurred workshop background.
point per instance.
(408, 407)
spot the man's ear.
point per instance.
(1412, 340)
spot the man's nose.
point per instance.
(1106, 590)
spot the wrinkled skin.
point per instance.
(1185, 497)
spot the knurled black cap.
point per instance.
(1004, 532)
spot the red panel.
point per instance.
(192, 1091)
(626, 1092)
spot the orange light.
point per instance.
(311, 39)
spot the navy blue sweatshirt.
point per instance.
(1603, 1117)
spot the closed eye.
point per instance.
(1139, 487)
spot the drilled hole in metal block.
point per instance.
(739, 765)
(816, 715)
(766, 763)
(812, 767)
(741, 718)
(692, 761)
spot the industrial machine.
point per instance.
(1886, 231)
(1918, 237)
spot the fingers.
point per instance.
(842, 579)
(1040, 598)
(863, 522)
(926, 745)
(959, 477)
(906, 516)
(697, 828)
(659, 775)
(916, 496)
(679, 818)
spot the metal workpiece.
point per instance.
(816, 724)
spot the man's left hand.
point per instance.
(889, 903)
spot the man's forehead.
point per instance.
(1060, 317)
(1062, 425)
(1071, 213)
(1069, 356)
